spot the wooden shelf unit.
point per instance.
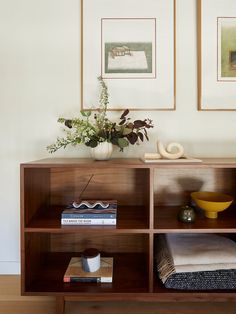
(149, 197)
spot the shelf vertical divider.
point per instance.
(151, 263)
(151, 226)
(151, 198)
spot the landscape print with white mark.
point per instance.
(130, 53)
(128, 57)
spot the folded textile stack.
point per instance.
(196, 261)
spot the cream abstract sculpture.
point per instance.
(173, 151)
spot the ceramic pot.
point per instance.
(102, 151)
(90, 260)
(186, 214)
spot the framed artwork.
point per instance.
(130, 59)
(217, 55)
(131, 44)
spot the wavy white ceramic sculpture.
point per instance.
(167, 152)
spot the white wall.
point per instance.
(40, 80)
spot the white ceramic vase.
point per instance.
(102, 151)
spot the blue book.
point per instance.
(88, 215)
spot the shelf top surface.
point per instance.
(87, 162)
(127, 163)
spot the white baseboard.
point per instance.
(9, 268)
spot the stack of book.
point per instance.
(90, 212)
(75, 272)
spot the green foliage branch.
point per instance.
(91, 130)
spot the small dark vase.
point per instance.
(186, 214)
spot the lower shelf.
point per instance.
(129, 276)
(130, 282)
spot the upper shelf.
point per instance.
(166, 221)
(130, 219)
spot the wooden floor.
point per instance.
(12, 303)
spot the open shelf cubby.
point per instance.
(149, 197)
(172, 189)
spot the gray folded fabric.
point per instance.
(204, 280)
(198, 274)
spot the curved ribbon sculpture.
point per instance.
(168, 151)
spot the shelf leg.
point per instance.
(60, 305)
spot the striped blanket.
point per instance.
(196, 261)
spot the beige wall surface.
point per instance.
(40, 81)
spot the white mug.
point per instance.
(90, 260)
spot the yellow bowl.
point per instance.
(212, 202)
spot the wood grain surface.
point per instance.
(11, 302)
(149, 197)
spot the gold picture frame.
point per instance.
(216, 55)
(134, 84)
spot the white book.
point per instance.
(92, 221)
(171, 161)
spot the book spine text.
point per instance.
(81, 221)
